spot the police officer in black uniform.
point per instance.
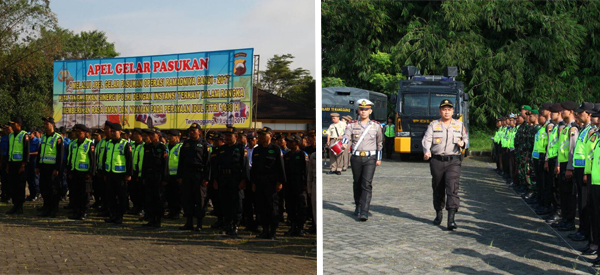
(49, 168)
(154, 169)
(218, 140)
(267, 176)
(81, 165)
(172, 190)
(296, 162)
(230, 180)
(118, 167)
(193, 171)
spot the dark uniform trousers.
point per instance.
(567, 195)
(213, 195)
(549, 199)
(136, 192)
(4, 179)
(116, 189)
(505, 161)
(98, 189)
(445, 182)
(583, 201)
(389, 147)
(267, 202)
(173, 195)
(249, 208)
(79, 192)
(595, 213)
(153, 186)
(296, 200)
(538, 166)
(230, 197)
(363, 169)
(194, 195)
(17, 183)
(49, 187)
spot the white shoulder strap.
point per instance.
(361, 138)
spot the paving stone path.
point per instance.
(498, 233)
(32, 245)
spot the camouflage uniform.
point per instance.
(521, 145)
(533, 129)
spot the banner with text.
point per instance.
(213, 89)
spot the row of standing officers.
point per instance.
(240, 180)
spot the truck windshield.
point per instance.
(420, 104)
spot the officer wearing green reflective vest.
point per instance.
(18, 157)
(100, 187)
(172, 190)
(118, 168)
(584, 117)
(389, 131)
(549, 204)
(593, 210)
(135, 186)
(567, 141)
(540, 149)
(49, 165)
(496, 149)
(81, 166)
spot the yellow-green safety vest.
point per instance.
(553, 142)
(138, 157)
(596, 166)
(15, 151)
(174, 159)
(590, 144)
(541, 142)
(563, 144)
(78, 155)
(579, 152)
(115, 157)
(48, 148)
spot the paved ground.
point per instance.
(498, 233)
(29, 244)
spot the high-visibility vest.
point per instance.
(78, 155)
(48, 150)
(596, 166)
(174, 159)
(590, 144)
(115, 157)
(541, 142)
(100, 150)
(389, 130)
(15, 149)
(563, 144)
(138, 156)
(579, 152)
(553, 142)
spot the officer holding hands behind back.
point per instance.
(442, 143)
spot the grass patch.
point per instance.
(480, 139)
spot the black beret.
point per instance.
(217, 136)
(173, 132)
(62, 130)
(147, 131)
(295, 138)
(194, 126)
(596, 114)
(48, 119)
(107, 123)
(116, 126)
(569, 105)
(17, 120)
(555, 108)
(137, 130)
(241, 132)
(81, 127)
(586, 107)
(251, 135)
(546, 106)
(597, 107)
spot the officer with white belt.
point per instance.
(365, 138)
(443, 142)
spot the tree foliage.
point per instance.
(31, 40)
(293, 84)
(509, 52)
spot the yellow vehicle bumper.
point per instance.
(402, 144)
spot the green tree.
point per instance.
(293, 84)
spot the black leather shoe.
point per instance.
(558, 224)
(330, 172)
(543, 211)
(363, 217)
(553, 219)
(596, 262)
(438, 218)
(590, 252)
(585, 248)
(357, 211)
(579, 238)
(567, 226)
(451, 224)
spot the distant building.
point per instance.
(282, 115)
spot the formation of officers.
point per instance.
(551, 155)
(249, 178)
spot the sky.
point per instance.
(153, 27)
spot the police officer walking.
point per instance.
(50, 162)
(267, 176)
(18, 157)
(442, 143)
(230, 180)
(192, 173)
(366, 140)
(81, 165)
(118, 166)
